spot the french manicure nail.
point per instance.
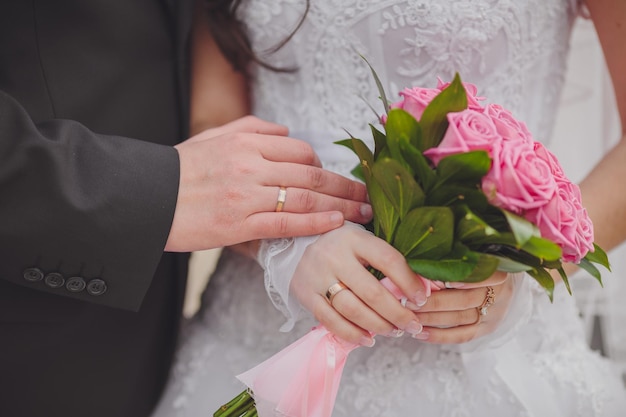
(396, 333)
(421, 336)
(414, 327)
(367, 341)
(420, 298)
(412, 306)
(455, 284)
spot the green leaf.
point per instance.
(598, 256)
(426, 232)
(522, 229)
(544, 279)
(565, 279)
(485, 267)
(366, 158)
(470, 226)
(543, 249)
(385, 215)
(469, 167)
(434, 120)
(398, 185)
(357, 172)
(447, 195)
(424, 174)
(460, 264)
(443, 269)
(591, 269)
(380, 140)
(511, 266)
(401, 127)
(381, 90)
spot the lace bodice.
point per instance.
(513, 50)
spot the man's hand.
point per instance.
(230, 179)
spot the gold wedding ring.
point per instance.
(481, 311)
(490, 298)
(333, 290)
(282, 196)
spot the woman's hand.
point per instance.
(453, 315)
(364, 306)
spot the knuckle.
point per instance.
(307, 201)
(435, 303)
(392, 257)
(307, 153)
(282, 225)
(315, 176)
(351, 311)
(375, 295)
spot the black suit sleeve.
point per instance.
(82, 215)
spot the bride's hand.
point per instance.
(453, 315)
(343, 255)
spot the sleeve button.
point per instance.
(32, 274)
(75, 284)
(54, 280)
(96, 287)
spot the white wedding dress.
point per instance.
(538, 363)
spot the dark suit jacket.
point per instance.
(92, 98)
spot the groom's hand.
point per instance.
(230, 179)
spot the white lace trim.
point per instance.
(279, 259)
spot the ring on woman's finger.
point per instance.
(490, 298)
(282, 196)
(334, 290)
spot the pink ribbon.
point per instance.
(302, 380)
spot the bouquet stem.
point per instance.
(240, 406)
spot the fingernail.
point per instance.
(367, 341)
(336, 218)
(421, 336)
(396, 333)
(412, 306)
(455, 284)
(414, 327)
(420, 298)
(366, 210)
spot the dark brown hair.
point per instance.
(231, 37)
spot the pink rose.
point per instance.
(564, 221)
(518, 180)
(470, 89)
(414, 100)
(584, 236)
(469, 130)
(508, 126)
(551, 160)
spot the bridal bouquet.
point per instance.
(462, 190)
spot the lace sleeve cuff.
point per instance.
(279, 259)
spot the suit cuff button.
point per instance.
(54, 280)
(32, 274)
(96, 287)
(75, 284)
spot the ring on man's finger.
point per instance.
(282, 196)
(333, 290)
